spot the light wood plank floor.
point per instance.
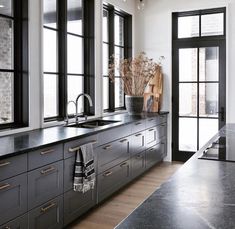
(119, 206)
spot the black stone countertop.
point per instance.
(201, 194)
(31, 140)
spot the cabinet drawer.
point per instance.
(45, 183)
(112, 154)
(137, 143)
(113, 179)
(13, 166)
(13, 198)
(137, 164)
(151, 137)
(77, 203)
(162, 130)
(162, 119)
(138, 126)
(69, 146)
(154, 154)
(48, 215)
(45, 156)
(18, 223)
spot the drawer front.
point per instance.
(45, 156)
(137, 143)
(70, 146)
(113, 179)
(151, 137)
(138, 126)
(13, 166)
(154, 154)
(13, 198)
(152, 121)
(162, 119)
(18, 223)
(48, 215)
(112, 154)
(45, 183)
(162, 130)
(77, 203)
(137, 164)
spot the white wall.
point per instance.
(153, 35)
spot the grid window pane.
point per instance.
(119, 54)
(105, 26)
(105, 93)
(75, 87)
(188, 64)
(105, 59)
(6, 44)
(188, 99)
(6, 97)
(119, 30)
(209, 64)
(75, 55)
(6, 7)
(209, 99)
(212, 24)
(119, 95)
(50, 13)
(50, 50)
(75, 16)
(188, 134)
(188, 26)
(50, 95)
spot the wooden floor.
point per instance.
(119, 206)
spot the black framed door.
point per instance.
(199, 91)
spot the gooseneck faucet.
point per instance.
(90, 103)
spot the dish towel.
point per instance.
(84, 176)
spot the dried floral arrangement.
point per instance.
(134, 72)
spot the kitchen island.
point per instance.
(201, 194)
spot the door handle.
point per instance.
(221, 113)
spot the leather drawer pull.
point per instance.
(75, 149)
(152, 149)
(107, 147)
(151, 130)
(45, 209)
(5, 163)
(47, 151)
(137, 135)
(124, 140)
(163, 125)
(124, 164)
(138, 156)
(138, 123)
(45, 171)
(4, 186)
(107, 174)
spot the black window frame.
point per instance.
(112, 11)
(20, 70)
(88, 57)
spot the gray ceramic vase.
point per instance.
(134, 104)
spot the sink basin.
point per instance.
(93, 124)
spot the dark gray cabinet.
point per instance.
(48, 215)
(45, 183)
(137, 164)
(138, 126)
(151, 137)
(137, 142)
(69, 166)
(18, 223)
(13, 198)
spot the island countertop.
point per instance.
(201, 194)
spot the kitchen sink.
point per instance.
(93, 124)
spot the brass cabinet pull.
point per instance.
(137, 135)
(107, 147)
(44, 209)
(45, 171)
(124, 164)
(4, 186)
(151, 130)
(107, 174)
(138, 123)
(75, 149)
(5, 163)
(47, 151)
(124, 140)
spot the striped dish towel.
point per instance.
(84, 176)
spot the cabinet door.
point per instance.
(77, 203)
(69, 165)
(18, 223)
(45, 183)
(48, 215)
(137, 164)
(112, 154)
(113, 179)
(151, 137)
(137, 143)
(13, 198)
